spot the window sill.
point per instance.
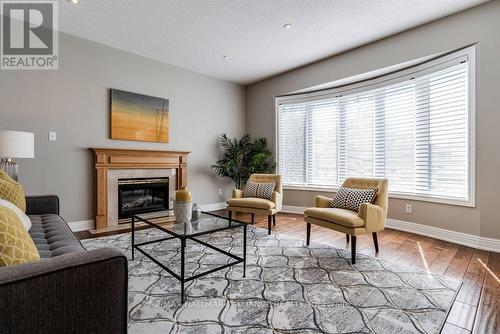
(469, 204)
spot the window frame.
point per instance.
(468, 53)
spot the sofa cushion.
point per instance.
(342, 217)
(250, 202)
(52, 236)
(12, 191)
(16, 246)
(25, 220)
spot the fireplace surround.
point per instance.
(114, 164)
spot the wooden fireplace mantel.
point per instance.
(112, 158)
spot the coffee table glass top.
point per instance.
(207, 223)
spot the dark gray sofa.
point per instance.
(70, 290)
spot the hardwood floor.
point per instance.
(477, 306)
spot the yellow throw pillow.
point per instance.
(16, 245)
(12, 191)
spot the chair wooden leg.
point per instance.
(308, 237)
(375, 241)
(253, 218)
(353, 249)
(274, 220)
(347, 237)
(269, 224)
(230, 215)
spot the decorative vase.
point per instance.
(182, 211)
(182, 205)
(196, 212)
(183, 195)
(195, 224)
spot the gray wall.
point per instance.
(74, 102)
(477, 25)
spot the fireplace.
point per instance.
(140, 195)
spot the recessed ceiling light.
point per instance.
(225, 57)
(76, 2)
(287, 26)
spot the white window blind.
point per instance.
(413, 129)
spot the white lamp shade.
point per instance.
(16, 144)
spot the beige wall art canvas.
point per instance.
(138, 117)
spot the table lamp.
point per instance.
(15, 144)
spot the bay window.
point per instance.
(414, 127)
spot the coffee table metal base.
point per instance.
(183, 240)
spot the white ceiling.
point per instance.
(196, 34)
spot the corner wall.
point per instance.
(74, 102)
(477, 25)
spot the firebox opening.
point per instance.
(140, 195)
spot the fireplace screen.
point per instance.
(142, 195)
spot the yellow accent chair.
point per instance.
(370, 218)
(254, 205)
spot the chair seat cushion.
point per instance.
(251, 202)
(342, 217)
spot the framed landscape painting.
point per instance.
(138, 117)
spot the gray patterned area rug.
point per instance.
(289, 288)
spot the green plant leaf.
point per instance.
(243, 157)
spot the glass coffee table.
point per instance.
(207, 224)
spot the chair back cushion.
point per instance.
(12, 191)
(266, 178)
(381, 185)
(16, 245)
(351, 199)
(259, 190)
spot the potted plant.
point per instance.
(243, 157)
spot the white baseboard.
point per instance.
(293, 209)
(213, 206)
(459, 238)
(83, 225)
(470, 240)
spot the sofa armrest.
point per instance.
(373, 217)
(322, 202)
(237, 193)
(42, 205)
(277, 199)
(76, 293)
